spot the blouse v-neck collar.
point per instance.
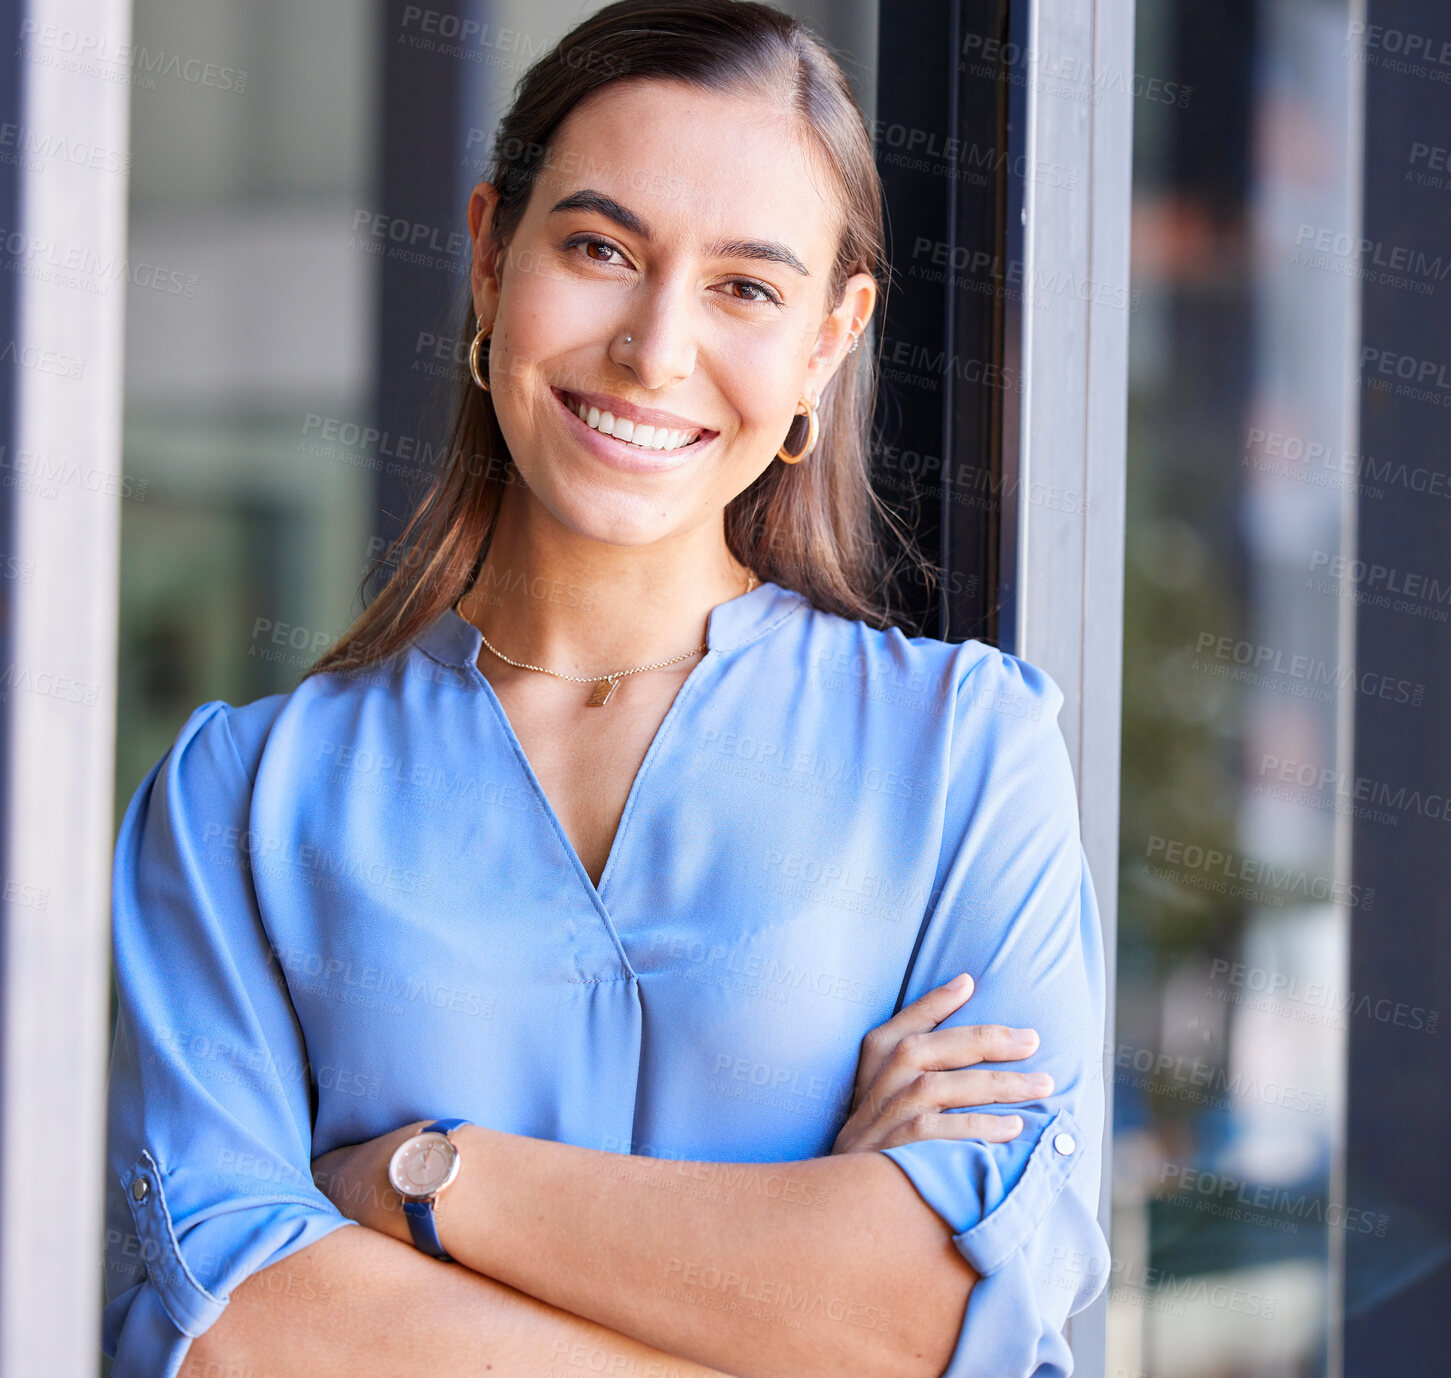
(453, 640)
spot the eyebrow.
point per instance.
(587, 199)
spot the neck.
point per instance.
(585, 608)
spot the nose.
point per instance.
(662, 325)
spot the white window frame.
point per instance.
(1063, 535)
(59, 710)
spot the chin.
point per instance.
(613, 514)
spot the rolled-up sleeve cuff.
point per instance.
(1034, 1242)
(148, 1329)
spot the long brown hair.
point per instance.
(816, 527)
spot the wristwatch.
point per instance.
(420, 1168)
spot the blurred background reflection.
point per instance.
(1233, 1211)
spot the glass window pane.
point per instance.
(1229, 1061)
(248, 505)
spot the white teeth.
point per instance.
(622, 428)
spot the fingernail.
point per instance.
(1015, 1123)
(959, 983)
(1040, 1081)
(1027, 1037)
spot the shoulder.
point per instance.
(329, 700)
(964, 679)
(983, 720)
(1010, 763)
(219, 728)
(1007, 686)
(250, 726)
(217, 750)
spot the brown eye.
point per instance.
(759, 291)
(596, 250)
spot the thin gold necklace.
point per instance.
(605, 685)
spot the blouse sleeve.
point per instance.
(210, 1125)
(1014, 906)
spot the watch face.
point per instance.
(423, 1165)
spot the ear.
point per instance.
(834, 339)
(484, 274)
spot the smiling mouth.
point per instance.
(639, 436)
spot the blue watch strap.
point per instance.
(421, 1224)
(423, 1229)
(441, 1126)
(425, 1233)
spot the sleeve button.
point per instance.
(140, 1189)
(1064, 1143)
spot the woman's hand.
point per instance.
(910, 1071)
(355, 1179)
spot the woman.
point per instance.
(603, 889)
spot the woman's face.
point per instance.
(694, 224)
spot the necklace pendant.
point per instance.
(601, 695)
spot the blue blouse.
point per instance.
(351, 906)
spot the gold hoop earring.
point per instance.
(812, 427)
(484, 333)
